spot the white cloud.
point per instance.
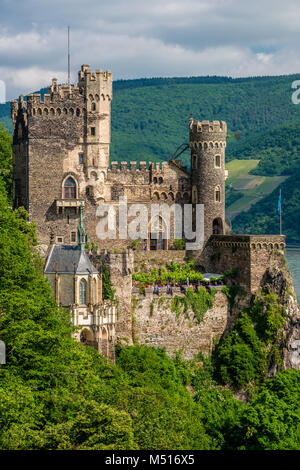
(136, 38)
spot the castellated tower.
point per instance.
(61, 153)
(208, 174)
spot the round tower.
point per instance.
(207, 143)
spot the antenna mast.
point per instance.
(68, 55)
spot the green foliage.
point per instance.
(174, 272)
(272, 420)
(179, 244)
(135, 244)
(231, 292)
(232, 195)
(56, 394)
(108, 293)
(199, 302)
(243, 357)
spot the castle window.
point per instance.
(194, 161)
(46, 112)
(82, 292)
(73, 237)
(80, 155)
(65, 111)
(155, 180)
(52, 112)
(94, 291)
(218, 161)
(58, 111)
(72, 111)
(59, 239)
(93, 106)
(93, 131)
(160, 180)
(194, 195)
(217, 194)
(77, 112)
(87, 191)
(70, 188)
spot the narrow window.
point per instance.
(93, 106)
(217, 194)
(194, 161)
(70, 188)
(82, 292)
(81, 158)
(73, 237)
(218, 161)
(87, 191)
(93, 131)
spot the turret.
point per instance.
(207, 143)
(96, 88)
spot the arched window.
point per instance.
(218, 161)
(70, 188)
(82, 292)
(93, 106)
(160, 180)
(217, 194)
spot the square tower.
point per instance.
(61, 153)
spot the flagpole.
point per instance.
(280, 219)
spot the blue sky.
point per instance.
(137, 38)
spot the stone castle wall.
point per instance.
(156, 325)
(248, 256)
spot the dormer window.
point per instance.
(70, 188)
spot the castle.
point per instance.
(62, 175)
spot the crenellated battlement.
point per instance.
(207, 131)
(92, 94)
(132, 167)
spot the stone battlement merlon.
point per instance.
(122, 167)
(206, 130)
(158, 167)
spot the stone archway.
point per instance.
(86, 337)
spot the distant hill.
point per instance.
(150, 119)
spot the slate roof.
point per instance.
(66, 258)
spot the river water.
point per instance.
(293, 259)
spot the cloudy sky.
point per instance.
(138, 38)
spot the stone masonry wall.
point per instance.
(156, 325)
